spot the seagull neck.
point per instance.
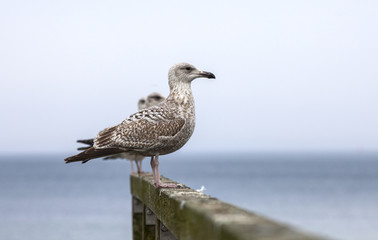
(181, 92)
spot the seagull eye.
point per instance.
(188, 68)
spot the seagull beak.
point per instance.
(206, 74)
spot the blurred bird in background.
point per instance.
(152, 99)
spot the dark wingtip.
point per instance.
(86, 141)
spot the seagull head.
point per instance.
(185, 72)
(142, 103)
(154, 99)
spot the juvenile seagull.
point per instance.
(154, 131)
(133, 157)
(151, 100)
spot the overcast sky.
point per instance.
(291, 75)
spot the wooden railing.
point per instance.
(183, 213)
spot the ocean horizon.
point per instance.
(329, 194)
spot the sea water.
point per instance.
(334, 195)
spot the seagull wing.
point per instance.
(140, 131)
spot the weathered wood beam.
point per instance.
(189, 214)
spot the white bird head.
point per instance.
(185, 72)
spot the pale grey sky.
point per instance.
(291, 75)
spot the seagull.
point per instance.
(133, 157)
(142, 104)
(156, 130)
(151, 100)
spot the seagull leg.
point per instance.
(157, 182)
(139, 166)
(153, 168)
(132, 167)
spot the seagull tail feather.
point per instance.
(92, 153)
(83, 148)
